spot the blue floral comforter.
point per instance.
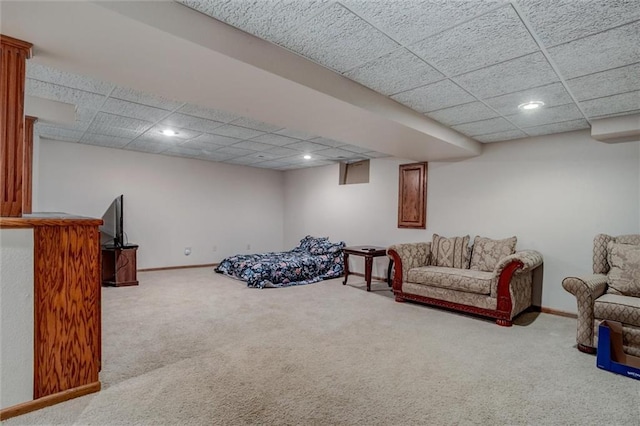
(315, 259)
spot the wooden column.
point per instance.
(27, 172)
(13, 64)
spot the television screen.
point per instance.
(112, 232)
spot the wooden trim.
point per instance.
(27, 172)
(412, 196)
(46, 401)
(554, 312)
(47, 219)
(17, 44)
(166, 268)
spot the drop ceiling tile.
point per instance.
(133, 110)
(180, 151)
(434, 96)
(194, 123)
(474, 111)
(106, 120)
(84, 117)
(236, 152)
(606, 83)
(155, 133)
(252, 145)
(274, 139)
(208, 113)
(297, 134)
(261, 156)
(501, 136)
(270, 164)
(512, 76)
(395, 72)
(617, 114)
(375, 154)
(624, 102)
(337, 154)
(282, 151)
(338, 39)
(558, 21)
(489, 39)
(328, 142)
(55, 92)
(306, 146)
(255, 124)
(551, 94)
(195, 144)
(266, 19)
(411, 20)
(355, 148)
(104, 140)
(244, 161)
(214, 156)
(143, 98)
(236, 132)
(62, 78)
(493, 125)
(610, 49)
(215, 139)
(544, 115)
(150, 146)
(58, 133)
(565, 126)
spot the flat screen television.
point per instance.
(112, 230)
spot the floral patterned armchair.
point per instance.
(611, 293)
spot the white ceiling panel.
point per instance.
(134, 110)
(508, 77)
(255, 125)
(610, 105)
(606, 83)
(339, 40)
(214, 156)
(565, 126)
(434, 96)
(540, 116)
(244, 161)
(74, 81)
(151, 146)
(466, 113)
(281, 151)
(108, 124)
(493, 125)
(180, 151)
(408, 21)
(354, 148)
(306, 146)
(215, 139)
(328, 142)
(143, 98)
(559, 21)
(236, 132)
(275, 139)
(193, 123)
(551, 94)
(155, 133)
(65, 94)
(297, 134)
(104, 140)
(610, 49)
(195, 144)
(374, 154)
(58, 133)
(501, 136)
(252, 145)
(208, 113)
(236, 152)
(494, 37)
(395, 72)
(271, 164)
(337, 154)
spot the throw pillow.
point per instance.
(486, 253)
(624, 276)
(449, 252)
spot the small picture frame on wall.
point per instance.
(412, 196)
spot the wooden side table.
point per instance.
(119, 266)
(368, 252)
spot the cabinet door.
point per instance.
(412, 196)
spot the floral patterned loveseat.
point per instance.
(489, 278)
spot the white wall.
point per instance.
(554, 193)
(170, 203)
(16, 316)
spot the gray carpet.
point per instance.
(192, 347)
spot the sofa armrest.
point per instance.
(586, 289)
(530, 260)
(406, 256)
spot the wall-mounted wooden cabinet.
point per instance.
(412, 196)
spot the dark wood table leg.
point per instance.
(346, 268)
(368, 265)
(389, 272)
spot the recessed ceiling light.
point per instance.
(531, 105)
(307, 157)
(169, 132)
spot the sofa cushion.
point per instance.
(466, 280)
(449, 252)
(624, 275)
(614, 307)
(486, 253)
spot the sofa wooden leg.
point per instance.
(586, 349)
(504, 322)
(399, 299)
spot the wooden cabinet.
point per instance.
(412, 196)
(119, 266)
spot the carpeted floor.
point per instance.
(191, 347)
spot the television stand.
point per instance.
(119, 266)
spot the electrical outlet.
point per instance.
(187, 251)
